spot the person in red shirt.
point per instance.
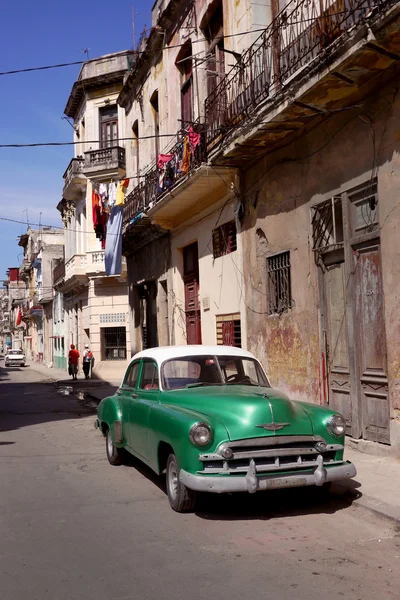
(73, 361)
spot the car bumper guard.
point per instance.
(252, 483)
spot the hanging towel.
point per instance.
(163, 159)
(194, 139)
(185, 165)
(112, 194)
(113, 252)
(95, 207)
(120, 199)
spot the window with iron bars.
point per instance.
(279, 288)
(224, 239)
(114, 343)
(229, 330)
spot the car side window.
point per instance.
(149, 380)
(132, 375)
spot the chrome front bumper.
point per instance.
(252, 483)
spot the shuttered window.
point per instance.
(229, 330)
(224, 239)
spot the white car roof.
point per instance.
(163, 353)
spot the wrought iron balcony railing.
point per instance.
(157, 182)
(300, 33)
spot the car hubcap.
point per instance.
(109, 444)
(173, 480)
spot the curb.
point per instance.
(377, 507)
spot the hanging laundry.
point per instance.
(121, 187)
(163, 159)
(95, 207)
(194, 139)
(103, 192)
(112, 194)
(113, 244)
(185, 164)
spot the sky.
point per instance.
(32, 104)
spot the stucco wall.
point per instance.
(345, 151)
(220, 280)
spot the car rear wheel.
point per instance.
(114, 454)
(181, 498)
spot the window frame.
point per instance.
(224, 239)
(128, 372)
(273, 303)
(144, 362)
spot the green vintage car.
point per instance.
(208, 417)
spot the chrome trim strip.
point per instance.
(273, 440)
(268, 452)
(293, 466)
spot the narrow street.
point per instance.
(72, 526)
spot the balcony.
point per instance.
(74, 179)
(159, 203)
(59, 272)
(106, 162)
(75, 272)
(96, 266)
(315, 56)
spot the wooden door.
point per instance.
(371, 343)
(337, 342)
(191, 283)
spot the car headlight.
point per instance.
(200, 434)
(336, 425)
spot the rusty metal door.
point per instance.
(337, 342)
(371, 342)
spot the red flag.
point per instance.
(19, 317)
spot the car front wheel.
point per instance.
(114, 454)
(181, 498)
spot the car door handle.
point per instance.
(134, 395)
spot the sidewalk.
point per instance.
(97, 388)
(376, 485)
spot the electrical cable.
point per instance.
(172, 135)
(139, 52)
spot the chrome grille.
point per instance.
(270, 454)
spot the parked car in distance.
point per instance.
(208, 417)
(14, 358)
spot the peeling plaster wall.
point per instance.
(345, 151)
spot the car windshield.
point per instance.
(196, 371)
(15, 352)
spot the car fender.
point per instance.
(170, 424)
(320, 416)
(109, 413)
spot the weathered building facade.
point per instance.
(41, 248)
(95, 305)
(310, 117)
(280, 234)
(181, 236)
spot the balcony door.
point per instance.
(191, 283)
(108, 126)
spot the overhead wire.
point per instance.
(140, 52)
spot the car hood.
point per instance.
(242, 408)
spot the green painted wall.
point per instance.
(60, 362)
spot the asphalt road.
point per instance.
(73, 527)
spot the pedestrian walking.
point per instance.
(73, 361)
(87, 361)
